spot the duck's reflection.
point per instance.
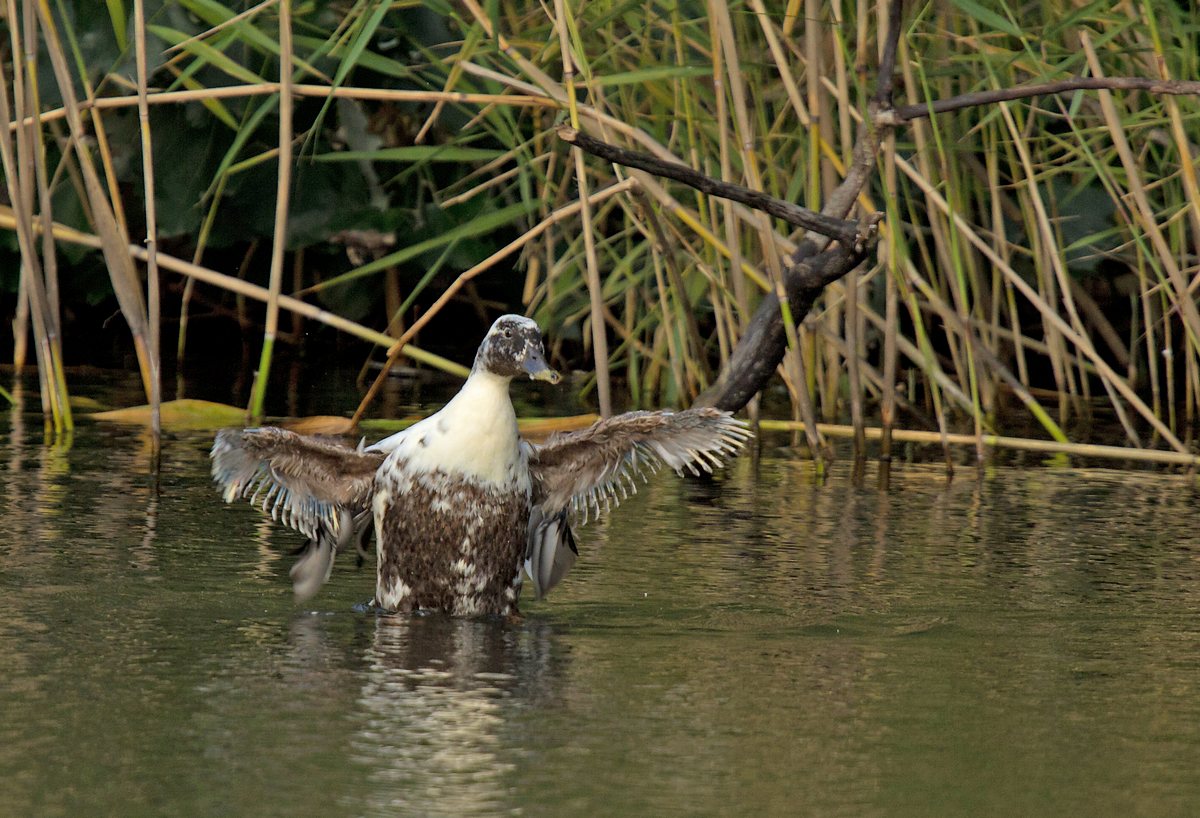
(436, 711)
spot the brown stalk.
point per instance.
(30, 269)
(887, 409)
(21, 321)
(687, 315)
(232, 21)
(23, 173)
(668, 324)
(113, 237)
(595, 289)
(300, 90)
(731, 225)
(1000, 441)
(152, 292)
(45, 200)
(853, 358)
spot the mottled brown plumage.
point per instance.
(458, 500)
(482, 548)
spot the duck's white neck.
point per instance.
(484, 394)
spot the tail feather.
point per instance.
(550, 550)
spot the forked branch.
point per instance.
(844, 231)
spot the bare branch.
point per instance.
(844, 231)
(762, 345)
(905, 113)
(887, 61)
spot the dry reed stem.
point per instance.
(21, 320)
(98, 130)
(1001, 441)
(300, 90)
(114, 239)
(22, 174)
(44, 186)
(887, 408)
(853, 358)
(30, 270)
(595, 290)
(668, 328)
(696, 361)
(790, 88)
(151, 211)
(732, 238)
(802, 401)
(232, 21)
(746, 135)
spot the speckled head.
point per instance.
(513, 347)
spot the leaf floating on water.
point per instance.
(82, 403)
(539, 428)
(186, 413)
(319, 425)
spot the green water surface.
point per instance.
(1024, 643)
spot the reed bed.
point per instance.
(1037, 257)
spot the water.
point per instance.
(1027, 643)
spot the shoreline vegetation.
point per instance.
(929, 220)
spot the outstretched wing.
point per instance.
(313, 485)
(592, 470)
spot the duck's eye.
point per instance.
(508, 333)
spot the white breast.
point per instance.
(474, 435)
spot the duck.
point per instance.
(464, 512)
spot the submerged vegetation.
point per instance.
(1037, 255)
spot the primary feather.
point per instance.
(592, 470)
(308, 484)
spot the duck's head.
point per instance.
(513, 347)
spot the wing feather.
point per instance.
(312, 485)
(592, 470)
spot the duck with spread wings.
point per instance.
(463, 510)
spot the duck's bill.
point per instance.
(538, 370)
